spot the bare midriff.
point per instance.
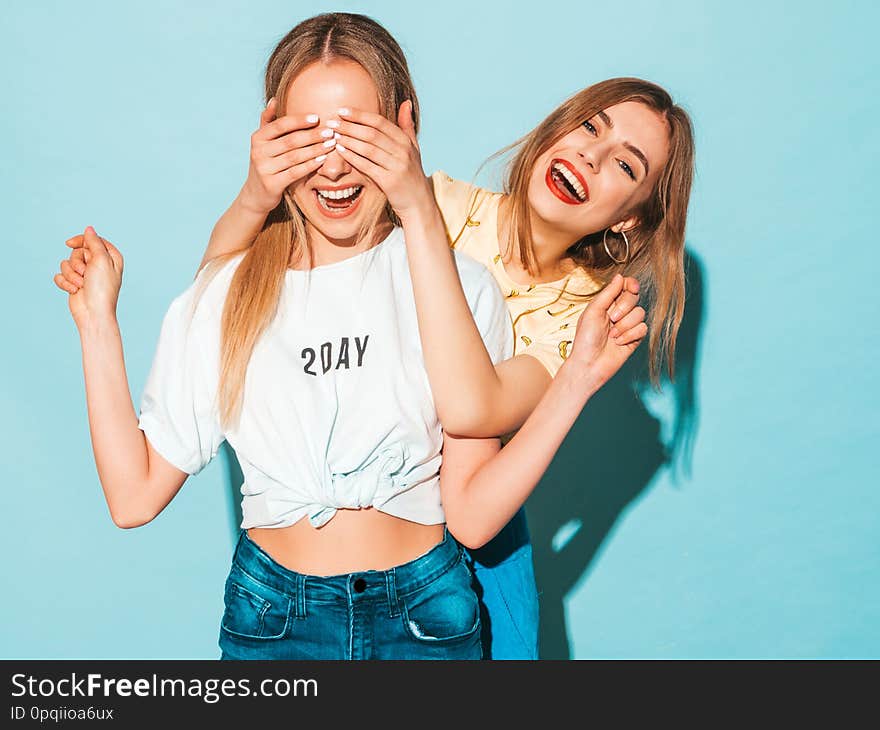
(353, 540)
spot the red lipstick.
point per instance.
(555, 181)
(331, 210)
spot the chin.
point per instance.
(343, 226)
(340, 232)
(575, 221)
(545, 206)
(333, 224)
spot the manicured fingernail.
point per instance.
(336, 135)
(330, 143)
(333, 124)
(615, 315)
(320, 158)
(312, 118)
(327, 133)
(341, 148)
(89, 228)
(344, 111)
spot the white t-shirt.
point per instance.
(337, 408)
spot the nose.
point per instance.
(591, 155)
(334, 166)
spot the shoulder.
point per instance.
(475, 278)
(205, 296)
(456, 198)
(470, 270)
(487, 304)
(446, 186)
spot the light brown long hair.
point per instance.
(656, 244)
(256, 287)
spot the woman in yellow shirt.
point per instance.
(600, 187)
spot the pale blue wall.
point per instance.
(137, 121)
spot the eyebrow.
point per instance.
(632, 148)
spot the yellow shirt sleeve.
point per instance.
(456, 200)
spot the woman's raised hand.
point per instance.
(283, 151)
(609, 330)
(388, 154)
(92, 276)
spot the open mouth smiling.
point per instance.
(340, 201)
(566, 183)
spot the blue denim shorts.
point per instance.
(424, 609)
(505, 580)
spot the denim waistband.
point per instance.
(399, 580)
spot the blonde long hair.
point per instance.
(256, 287)
(656, 244)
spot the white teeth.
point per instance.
(339, 194)
(569, 175)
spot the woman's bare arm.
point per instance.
(138, 483)
(236, 229)
(473, 397)
(483, 486)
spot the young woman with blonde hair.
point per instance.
(541, 244)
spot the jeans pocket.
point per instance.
(446, 610)
(253, 610)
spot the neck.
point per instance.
(327, 250)
(549, 245)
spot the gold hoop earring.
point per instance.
(605, 243)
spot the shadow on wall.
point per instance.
(615, 449)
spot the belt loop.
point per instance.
(391, 586)
(300, 596)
